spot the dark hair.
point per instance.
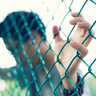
(23, 20)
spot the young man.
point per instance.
(22, 23)
(14, 26)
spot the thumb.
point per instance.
(81, 48)
(56, 33)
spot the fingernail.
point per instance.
(81, 23)
(71, 21)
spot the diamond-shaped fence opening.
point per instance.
(61, 8)
(92, 69)
(93, 25)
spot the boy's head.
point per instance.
(23, 22)
(23, 26)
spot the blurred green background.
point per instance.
(13, 90)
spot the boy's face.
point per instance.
(31, 53)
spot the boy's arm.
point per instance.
(68, 53)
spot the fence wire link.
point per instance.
(16, 90)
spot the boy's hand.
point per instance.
(68, 52)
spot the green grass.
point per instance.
(12, 89)
(92, 84)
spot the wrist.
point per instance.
(67, 84)
(75, 91)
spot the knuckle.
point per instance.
(86, 52)
(79, 19)
(84, 23)
(75, 19)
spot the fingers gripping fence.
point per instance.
(8, 36)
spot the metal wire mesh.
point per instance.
(6, 33)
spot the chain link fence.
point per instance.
(11, 29)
